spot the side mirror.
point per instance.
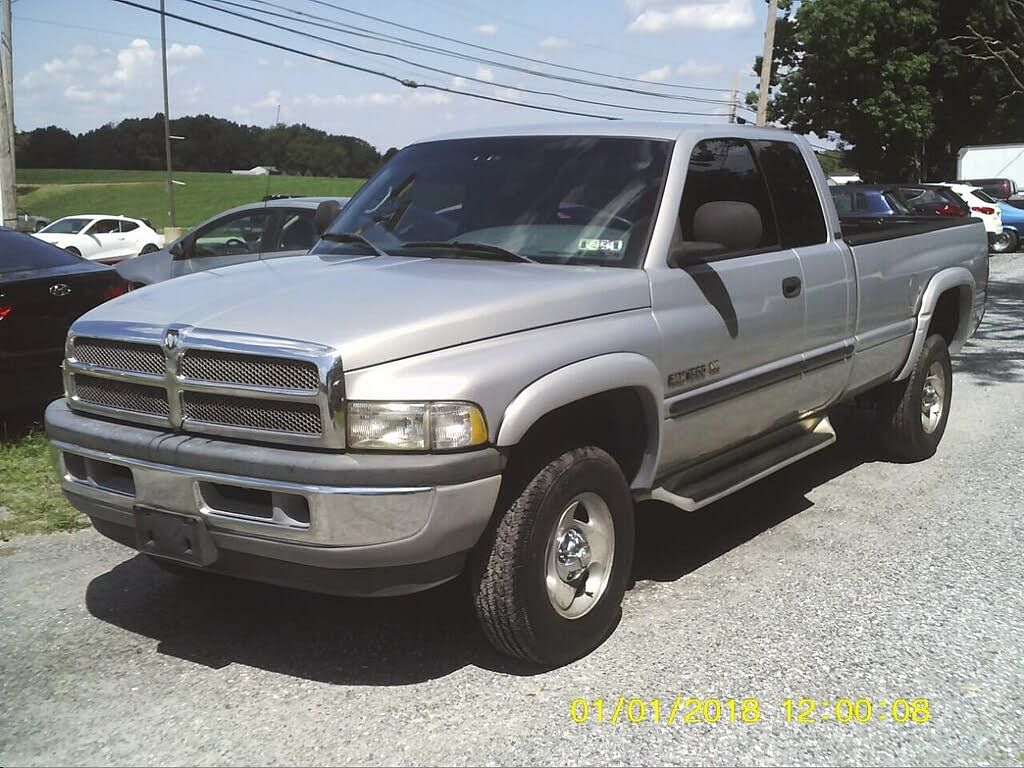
(325, 215)
(181, 250)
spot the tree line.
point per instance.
(901, 84)
(210, 144)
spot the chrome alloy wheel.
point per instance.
(579, 556)
(933, 397)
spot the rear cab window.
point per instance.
(723, 179)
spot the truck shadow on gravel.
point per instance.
(995, 355)
(218, 621)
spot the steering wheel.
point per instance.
(236, 242)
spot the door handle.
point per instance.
(791, 287)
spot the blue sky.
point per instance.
(82, 63)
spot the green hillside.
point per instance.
(55, 193)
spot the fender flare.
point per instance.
(619, 370)
(954, 277)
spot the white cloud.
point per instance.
(485, 73)
(404, 98)
(84, 96)
(134, 60)
(553, 42)
(656, 75)
(694, 68)
(458, 82)
(87, 79)
(507, 93)
(179, 52)
(487, 30)
(272, 99)
(663, 15)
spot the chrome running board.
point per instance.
(690, 493)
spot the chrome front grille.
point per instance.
(120, 355)
(123, 395)
(299, 418)
(250, 370)
(207, 382)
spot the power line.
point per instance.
(357, 68)
(449, 39)
(450, 73)
(438, 70)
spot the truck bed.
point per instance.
(861, 230)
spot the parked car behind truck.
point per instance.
(274, 228)
(501, 345)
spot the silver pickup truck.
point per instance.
(501, 345)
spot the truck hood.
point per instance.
(374, 310)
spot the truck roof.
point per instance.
(622, 128)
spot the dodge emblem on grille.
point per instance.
(171, 339)
(60, 289)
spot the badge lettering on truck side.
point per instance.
(697, 373)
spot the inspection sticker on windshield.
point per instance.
(607, 246)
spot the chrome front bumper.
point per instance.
(349, 526)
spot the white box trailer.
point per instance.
(995, 161)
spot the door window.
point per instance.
(725, 171)
(105, 227)
(298, 231)
(797, 205)
(238, 234)
(128, 226)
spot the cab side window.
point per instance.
(726, 209)
(238, 234)
(797, 206)
(298, 231)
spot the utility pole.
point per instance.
(766, 62)
(735, 96)
(8, 190)
(167, 118)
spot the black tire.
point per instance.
(148, 248)
(904, 435)
(1005, 243)
(508, 578)
(72, 250)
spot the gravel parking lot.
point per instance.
(842, 576)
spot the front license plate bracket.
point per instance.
(174, 536)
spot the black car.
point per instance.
(935, 200)
(43, 289)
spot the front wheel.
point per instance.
(549, 580)
(73, 251)
(1005, 242)
(914, 412)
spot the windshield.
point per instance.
(69, 226)
(553, 199)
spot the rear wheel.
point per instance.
(548, 581)
(148, 248)
(72, 250)
(1005, 242)
(40, 226)
(913, 412)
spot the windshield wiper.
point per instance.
(484, 249)
(354, 237)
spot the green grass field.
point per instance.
(54, 193)
(30, 498)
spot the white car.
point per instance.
(982, 207)
(102, 238)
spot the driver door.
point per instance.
(235, 239)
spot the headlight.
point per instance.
(414, 426)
